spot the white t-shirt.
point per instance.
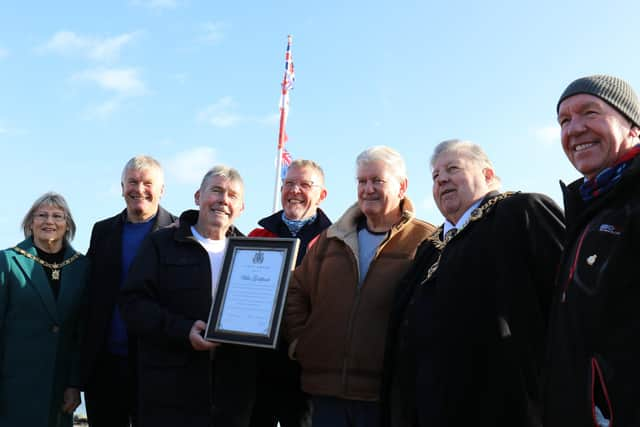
(215, 249)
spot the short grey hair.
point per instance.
(224, 171)
(55, 200)
(388, 156)
(141, 162)
(303, 163)
(471, 150)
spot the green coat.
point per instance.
(39, 338)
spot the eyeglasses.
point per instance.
(55, 217)
(303, 185)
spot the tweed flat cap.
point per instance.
(613, 90)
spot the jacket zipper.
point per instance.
(595, 369)
(574, 264)
(352, 315)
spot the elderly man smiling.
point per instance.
(279, 398)
(340, 296)
(469, 324)
(594, 373)
(165, 301)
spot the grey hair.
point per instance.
(471, 150)
(303, 163)
(224, 171)
(388, 156)
(55, 200)
(141, 162)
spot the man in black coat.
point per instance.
(279, 397)
(165, 302)
(109, 359)
(470, 319)
(594, 351)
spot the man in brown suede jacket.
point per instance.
(340, 296)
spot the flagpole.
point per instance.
(283, 118)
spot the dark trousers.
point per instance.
(111, 395)
(279, 398)
(335, 412)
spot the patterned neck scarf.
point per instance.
(294, 225)
(606, 179)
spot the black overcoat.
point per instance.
(167, 290)
(466, 345)
(105, 257)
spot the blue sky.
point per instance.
(87, 85)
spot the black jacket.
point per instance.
(275, 226)
(105, 256)
(466, 346)
(167, 290)
(280, 395)
(594, 347)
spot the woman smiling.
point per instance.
(42, 288)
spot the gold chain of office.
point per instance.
(55, 267)
(476, 214)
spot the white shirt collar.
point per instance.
(463, 219)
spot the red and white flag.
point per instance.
(287, 84)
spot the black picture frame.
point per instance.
(249, 301)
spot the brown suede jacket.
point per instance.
(337, 328)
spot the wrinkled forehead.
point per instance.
(448, 157)
(225, 182)
(307, 173)
(147, 172)
(581, 101)
(374, 168)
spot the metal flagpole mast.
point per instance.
(287, 83)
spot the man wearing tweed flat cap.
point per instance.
(593, 368)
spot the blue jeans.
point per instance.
(335, 412)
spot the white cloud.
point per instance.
(95, 48)
(220, 113)
(189, 166)
(105, 109)
(269, 119)
(548, 135)
(212, 32)
(156, 4)
(124, 81)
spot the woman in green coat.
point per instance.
(43, 282)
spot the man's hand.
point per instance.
(195, 337)
(71, 400)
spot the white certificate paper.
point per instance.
(251, 291)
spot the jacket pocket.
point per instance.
(600, 394)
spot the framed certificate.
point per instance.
(249, 302)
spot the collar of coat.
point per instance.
(346, 227)
(161, 219)
(189, 218)
(274, 221)
(577, 211)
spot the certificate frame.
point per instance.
(248, 305)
